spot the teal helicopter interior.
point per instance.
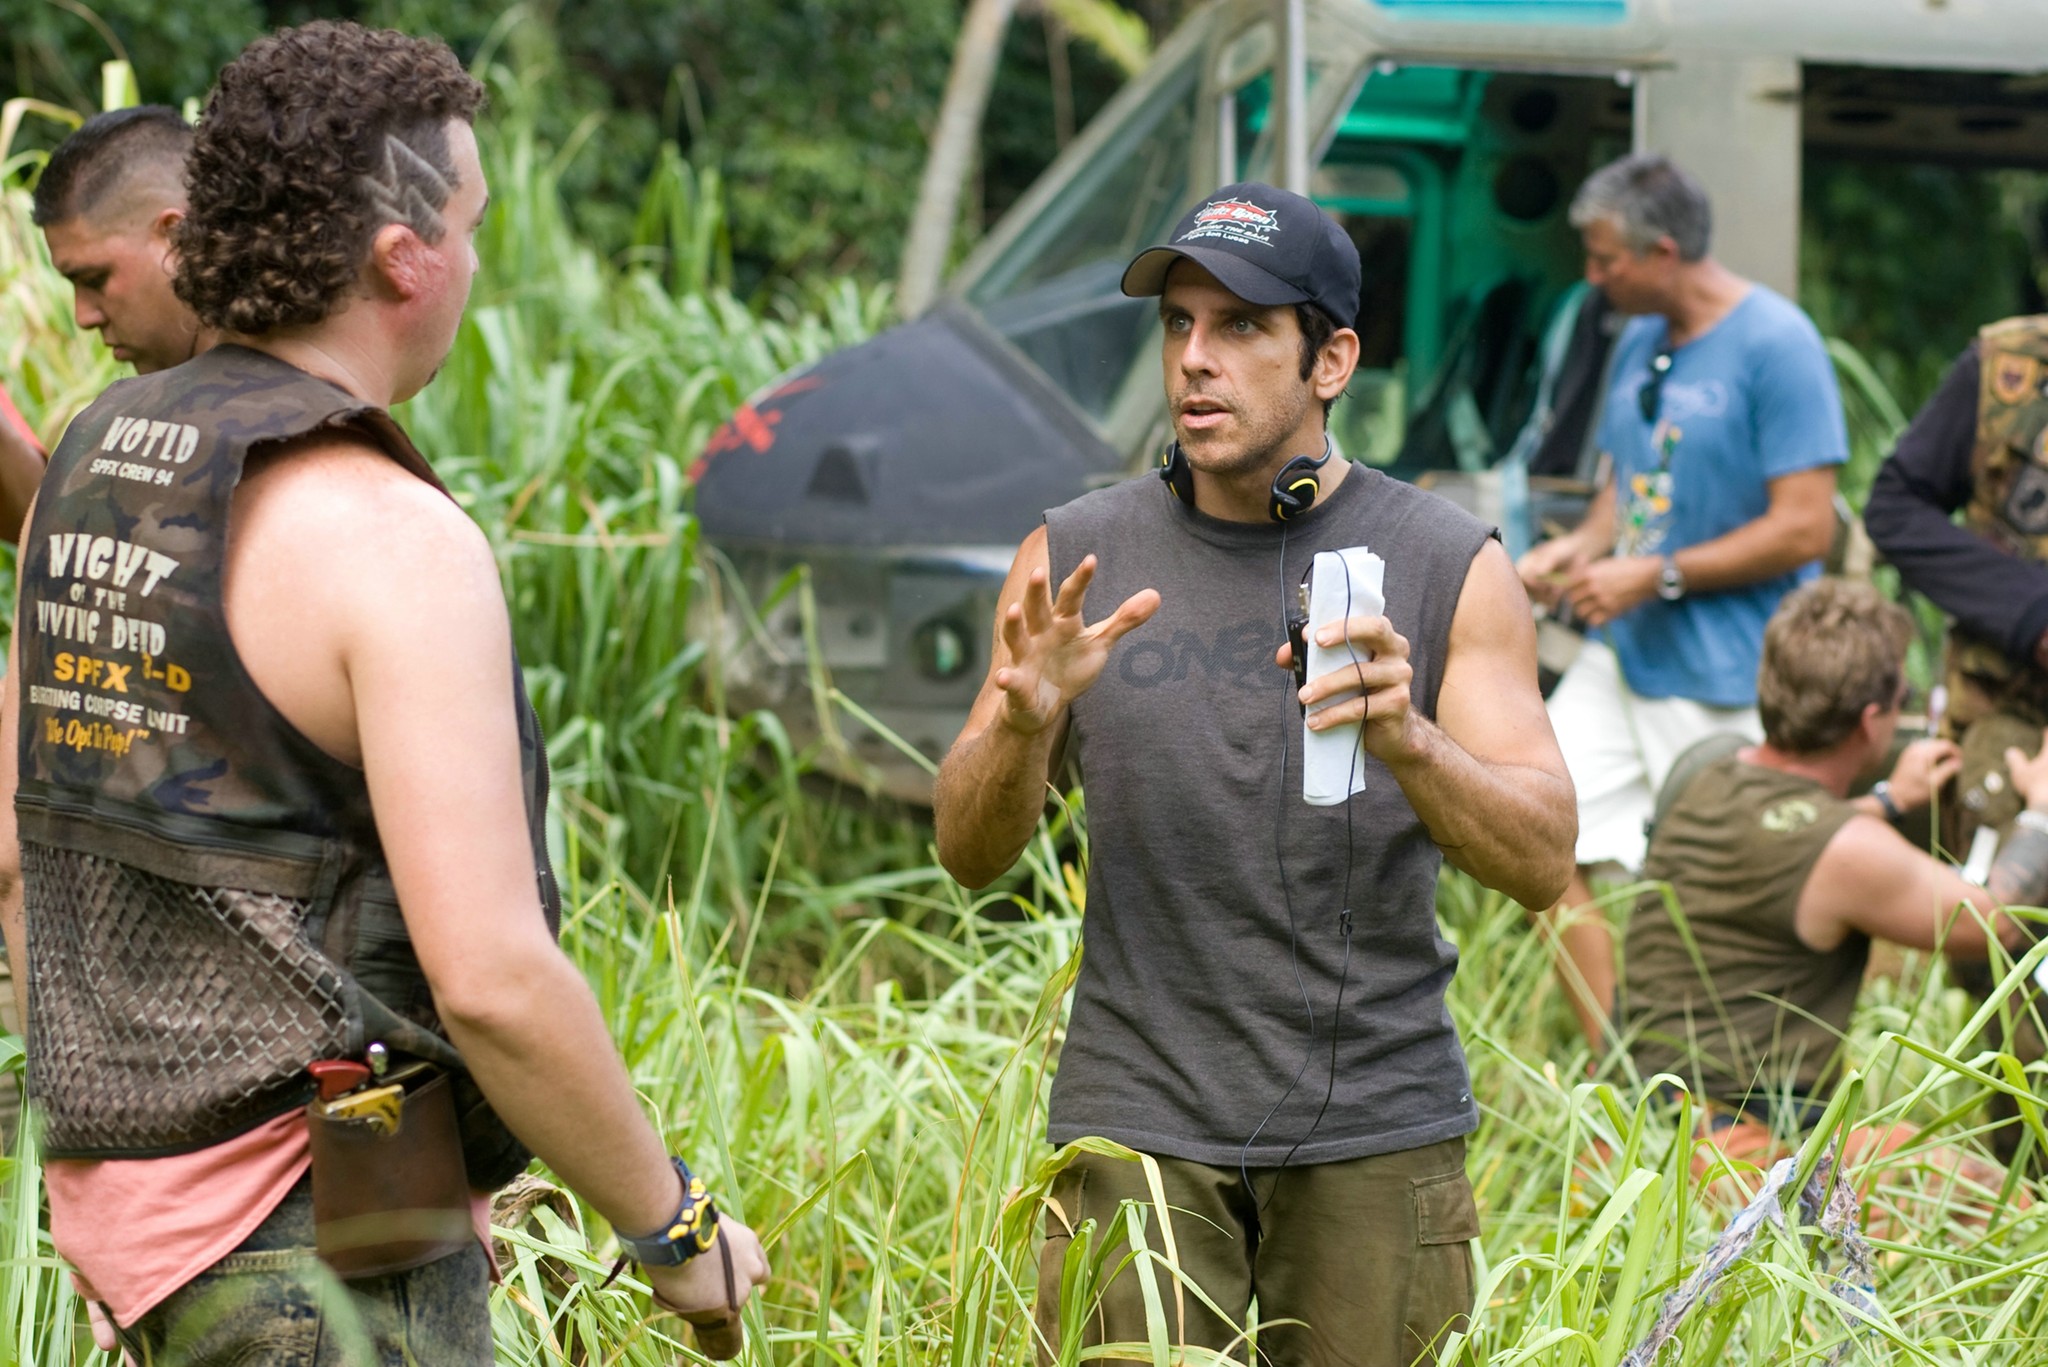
(1455, 184)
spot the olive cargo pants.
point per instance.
(1373, 1254)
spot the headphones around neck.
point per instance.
(1294, 489)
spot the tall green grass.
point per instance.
(855, 1050)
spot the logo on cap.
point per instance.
(1235, 220)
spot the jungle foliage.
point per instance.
(854, 1050)
(815, 112)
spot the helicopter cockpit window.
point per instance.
(1054, 294)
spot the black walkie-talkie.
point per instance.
(1297, 632)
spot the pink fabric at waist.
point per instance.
(137, 1229)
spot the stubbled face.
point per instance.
(1234, 389)
(120, 276)
(1634, 282)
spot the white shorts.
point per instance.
(1619, 747)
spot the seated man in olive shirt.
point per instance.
(1744, 981)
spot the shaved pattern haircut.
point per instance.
(411, 185)
(109, 152)
(315, 138)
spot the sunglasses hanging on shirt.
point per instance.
(1651, 395)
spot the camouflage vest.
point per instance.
(2009, 503)
(207, 901)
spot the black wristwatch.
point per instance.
(693, 1229)
(1882, 791)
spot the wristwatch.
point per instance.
(1670, 581)
(1882, 791)
(693, 1229)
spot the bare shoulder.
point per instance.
(1033, 553)
(1867, 854)
(345, 569)
(1868, 878)
(1490, 702)
(355, 505)
(339, 527)
(1493, 629)
(1493, 608)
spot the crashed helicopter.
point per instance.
(866, 508)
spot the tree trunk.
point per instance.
(945, 170)
(1061, 70)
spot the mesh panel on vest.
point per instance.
(175, 1014)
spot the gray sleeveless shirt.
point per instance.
(1204, 862)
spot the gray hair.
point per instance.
(1647, 197)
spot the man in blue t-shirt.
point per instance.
(1722, 428)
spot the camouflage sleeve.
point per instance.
(1926, 478)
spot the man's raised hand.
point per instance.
(1053, 656)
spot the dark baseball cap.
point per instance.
(1263, 244)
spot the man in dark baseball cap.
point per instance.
(1265, 245)
(1305, 1107)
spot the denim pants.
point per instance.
(272, 1302)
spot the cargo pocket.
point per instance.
(1445, 1212)
(1440, 1286)
(259, 1308)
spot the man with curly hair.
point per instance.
(278, 799)
(108, 201)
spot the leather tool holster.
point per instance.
(388, 1203)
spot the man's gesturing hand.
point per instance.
(1054, 657)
